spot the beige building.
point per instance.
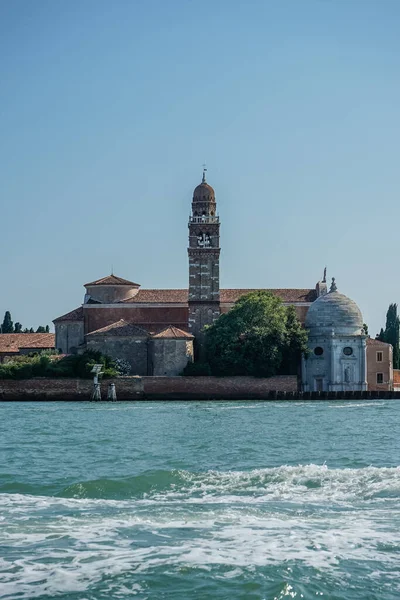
(379, 365)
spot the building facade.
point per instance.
(112, 303)
(379, 366)
(337, 359)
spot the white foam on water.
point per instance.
(352, 404)
(99, 546)
(308, 514)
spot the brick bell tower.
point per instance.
(204, 251)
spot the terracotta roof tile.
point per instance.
(120, 328)
(12, 342)
(227, 296)
(112, 280)
(286, 295)
(159, 296)
(74, 315)
(373, 342)
(174, 333)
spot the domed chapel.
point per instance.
(155, 329)
(337, 345)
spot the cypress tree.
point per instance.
(7, 326)
(392, 333)
(381, 335)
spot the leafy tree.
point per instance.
(31, 330)
(258, 337)
(7, 326)
(41, 329)
(365, 329)
(295, 343)
(196, 369)
(47, 329)
(17, 328)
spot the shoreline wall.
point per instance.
(149, 388)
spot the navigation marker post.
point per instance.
(97, 372)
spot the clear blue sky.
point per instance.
(109, 108)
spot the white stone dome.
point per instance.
(334, 311)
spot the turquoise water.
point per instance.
(179, 500)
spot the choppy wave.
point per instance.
(233, 523)
(307, 482)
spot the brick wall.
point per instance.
(218, 388)
(97, 316)
(151, 388)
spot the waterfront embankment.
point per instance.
(149, 388)
(172, 388)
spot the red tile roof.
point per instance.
(12, 342)
(174, 333)
(227, 296)
(373, 342)
(112, 280)
(74, 315)
(286, 295)
(120, 328)
(159, 297)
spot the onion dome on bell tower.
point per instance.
(203, 202)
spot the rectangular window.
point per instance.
(379, 356)
(379, 378)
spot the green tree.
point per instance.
(17, 328)
(258, 337)
(7, 326)
(365, 329)
(41, 329)
(47, 329)
(31, 330)
(381, 335)
(295, 343)
(392, 333)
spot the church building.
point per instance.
(337, 359)
(123, 320)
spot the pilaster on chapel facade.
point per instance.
(204, 251)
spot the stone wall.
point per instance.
(216, 388)
(69, 335)
(148, 388)
(132, 349)
(170, 356)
